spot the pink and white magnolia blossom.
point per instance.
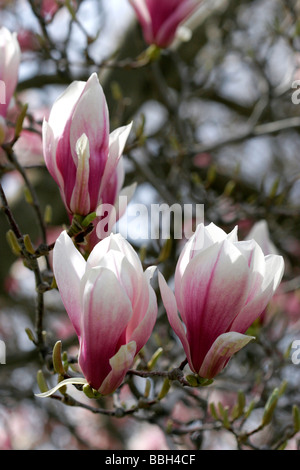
(160, 19)
(110, 303)
(221, 286)
(10, 57)
(82, 156)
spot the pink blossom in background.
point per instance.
(221, 286)
(49, 8)
(10, 57)
(111, 305)
(29, 146)
(28, 40)
(202, 160)
(160, 19)
(148, 437)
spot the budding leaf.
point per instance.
(48, 214)
(28, 244)
(270, 407)
(13, 242)
(192, 380)
(56, 357)
(89, 218)
(42, 382)
(296, 418)
(151, 363)
(147, 388)
(213, 410)
(165, 388)
(20, 120)
(241, 402)
(30, 334)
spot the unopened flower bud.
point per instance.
(81, 155)
(160, 19)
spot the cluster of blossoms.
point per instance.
(221, 284)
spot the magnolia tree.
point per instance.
(150, 225)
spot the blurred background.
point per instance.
(216, 121)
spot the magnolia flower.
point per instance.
(10, 56)
(81, 155)
(110, 303)
(160, 19)
(221, 286)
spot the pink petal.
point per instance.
(143, 15)
(203, 237)
(169, 302)
(10, 53)
(59, 121)
(198, 242)
(257, 265)
(69, 267)
(213, 291)
(273, 274)
(119, 363)
(115, 242)
(49, 150)
(106, 313)
(140, 327)
(221, 351)
(63, 106)
(177, 14)
(90, 117)
(117, 263)
(117, 142)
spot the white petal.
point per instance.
(120, 363)
(170, 305)
(260, 233)
(70, 381)
(63, 107)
